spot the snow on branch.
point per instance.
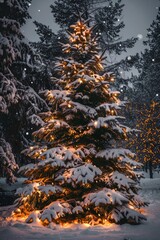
(113, 153)
(121, 180)
(75, 107)
(104, 197)
(82, 174)
(130, 214)
(109, 106)
(36, 120)
(55, 210)
(103, 121)
(57, 94)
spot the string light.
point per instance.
(95, 123)
(80, 80)
(52, 138)
(112, 112)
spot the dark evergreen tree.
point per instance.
(18, 100)
(64, 10)
(147, 85)
(48, 48)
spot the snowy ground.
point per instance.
(149, 230)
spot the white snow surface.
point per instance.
(149, 230)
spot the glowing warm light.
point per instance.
(95, 123)
(112, 112)
(131, 207)
(51, 138)
(86, 225)
(38, 220)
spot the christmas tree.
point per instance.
(80, 173)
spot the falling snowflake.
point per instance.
(129, 57)
(139, 36)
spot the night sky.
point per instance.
(137, 16)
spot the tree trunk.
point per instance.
(150, 169)
(146, 167)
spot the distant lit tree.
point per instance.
(147, 141)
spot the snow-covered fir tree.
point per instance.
(18, 100)
(81, 172)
